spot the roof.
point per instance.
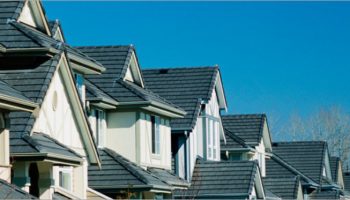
(118, 173)
(346, 177)
(232, 142)
(325, 195)
(278, 168)
(116, 60)
(169, 177)
(287, 188)
(248, 127)
(297, 154)
(46, 147)
(93, 93)
(9, 191)
(185, 87)
(33, 83)
(334, 163)
(213, 179)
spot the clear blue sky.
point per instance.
(275, 58)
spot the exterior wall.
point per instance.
(197, 143)
(146, 158)
(5, 168)
(121, 133)
(130, 134)
(260, 156)
(57, 120)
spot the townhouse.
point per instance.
(88, 123)
(199, 91)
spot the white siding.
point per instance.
(163, 160)
(59, 122)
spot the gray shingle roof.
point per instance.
(346, 176)
(232, 142)
(185, 87)
(247, 127)
(334, 163)
(168, 177)
(44, 144)
(116, 60)
(287, 188)
(33, 83)
(7, 90)
(118, 173)
(325, 195)
(93, 93)
(305, 156)
(230, 179)
(9, 191)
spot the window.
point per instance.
(100, 127)
(155, 134)
(79, 82)
(65, 177)
(212, 139)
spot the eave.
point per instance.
(48, 157)
(84, 65)
(12, 103)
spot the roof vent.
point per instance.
(275, 144)
(163, 71)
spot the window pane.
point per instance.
(79, 81)
(157, 135)
(153, 134)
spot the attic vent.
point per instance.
(163, 71)
(275, 144)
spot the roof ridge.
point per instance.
(105, 46)
(212, 84)
(19, 27)
(241, 115)
(126, 63)
(19, 8)
(252, 178)
(127, 86)
(180, 67)
(105, 93)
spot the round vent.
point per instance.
(54, 101)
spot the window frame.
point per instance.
(155, 135)
(69, 171)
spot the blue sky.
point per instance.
(275, 57)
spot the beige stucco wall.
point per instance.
(129, 134)
(121, 133)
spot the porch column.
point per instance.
(21, 175)
(46, 181)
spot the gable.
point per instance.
(62, 114)
(133, 73)
(33, 15)
(56, 116)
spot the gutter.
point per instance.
(49, 156)
(17, 103)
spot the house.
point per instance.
(52, 147)
(224, 180)
(11, 100)
(131, 127)
(247, 138)
(199, 91)
(337, 171)
(291, 159)
(284, 187)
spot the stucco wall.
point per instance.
(121, 133)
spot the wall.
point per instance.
(163, 160)
(57, 120)
(5, 168)
(121, 133)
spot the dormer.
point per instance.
(133, 72)
(33, 15)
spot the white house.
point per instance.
(199, 91)
(129, 121)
